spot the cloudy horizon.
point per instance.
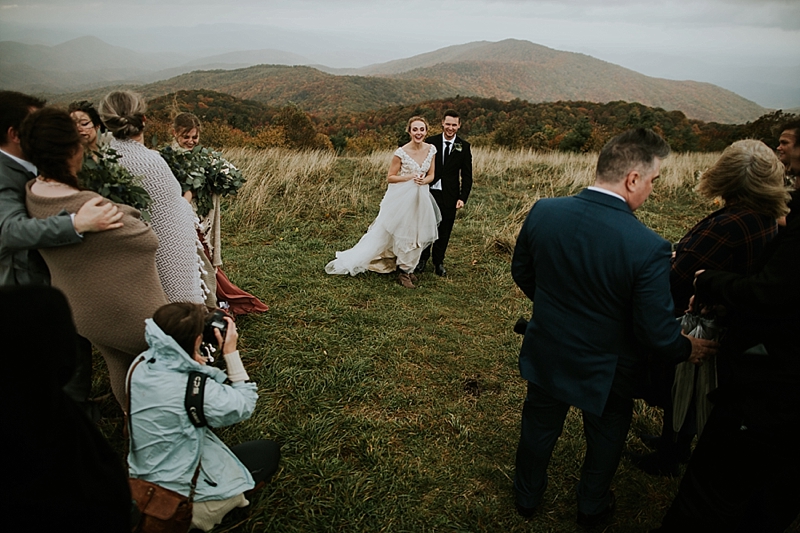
(710, 40)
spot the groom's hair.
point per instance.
(451, 113)
(635, 149)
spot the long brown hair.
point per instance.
(49, 139)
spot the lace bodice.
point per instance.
(409, 167)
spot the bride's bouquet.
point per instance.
(204, 172)
(102, 173)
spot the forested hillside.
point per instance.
(568, 126)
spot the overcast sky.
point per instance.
(667, 38)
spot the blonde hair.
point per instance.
(416, 118)
(123, 113)
(750, 175)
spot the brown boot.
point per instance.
(413, 277)
(405, 280)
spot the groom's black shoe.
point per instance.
(421, 266)
(439, 269)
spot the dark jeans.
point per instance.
(260, 457)
(542, 422)
(445, 229)
(739, 479)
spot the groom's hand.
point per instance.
(459, 204)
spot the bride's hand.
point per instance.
(419, 179)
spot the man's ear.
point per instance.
(12, 135)
(632, 180)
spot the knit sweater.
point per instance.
(109, 279)
(172, 220)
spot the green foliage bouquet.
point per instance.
(204, 172)
(102, 173)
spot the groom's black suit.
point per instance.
(455, 175)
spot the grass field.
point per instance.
(399, 410)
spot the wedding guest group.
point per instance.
(599, 281)
(22, 236)
(450, 188)
(171, 217)
(110, 279)
(750, 182)
(744, 470)
(408, 217)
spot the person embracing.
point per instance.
(450, 187)
(599, 280)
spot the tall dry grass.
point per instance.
(287, 184)
(524, 176)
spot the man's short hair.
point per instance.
(14, 107)
(183, 321)
(451, 113)
(634, 149)
(792, 125)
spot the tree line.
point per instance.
(566, 126)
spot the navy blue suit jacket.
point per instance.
(599, 282)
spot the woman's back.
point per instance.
(172, 220)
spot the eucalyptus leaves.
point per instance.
(204, 172)
(102, 173)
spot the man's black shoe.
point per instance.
(594, 520)
(656, 464)
(524, 512)
(439, 269)
(421, 266)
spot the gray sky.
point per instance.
(665, 38)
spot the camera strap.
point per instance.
(193, 401)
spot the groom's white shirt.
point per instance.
(438, 185)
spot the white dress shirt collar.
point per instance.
(606, 191)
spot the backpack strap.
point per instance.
(193, 400)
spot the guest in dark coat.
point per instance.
(749, 179)
(599, 280)
(61, 474)
(744, 473)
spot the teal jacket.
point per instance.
(164, 445)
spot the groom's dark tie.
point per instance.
(446, 153)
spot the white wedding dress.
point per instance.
(406, 224)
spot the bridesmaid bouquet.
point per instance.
(204, 172)
(102, 173)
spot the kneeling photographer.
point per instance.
(174, 398)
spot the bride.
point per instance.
(408, 217)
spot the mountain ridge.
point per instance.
(508, 69)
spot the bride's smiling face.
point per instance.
(418, 130)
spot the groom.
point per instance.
(451, 185)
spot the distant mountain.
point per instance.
(520, 69)
(88, 62)
(275, 85)
(247, 58)
(507, 70)
(79, 63)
